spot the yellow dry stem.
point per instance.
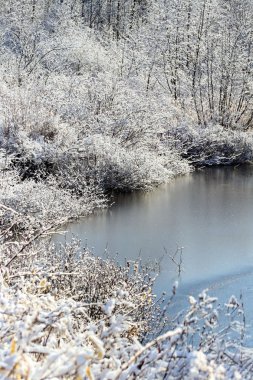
(99, 350)
(89, 373)
(13, 346)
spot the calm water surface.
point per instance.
(209, 213)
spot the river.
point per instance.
(209, 213)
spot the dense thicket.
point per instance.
(118, 92)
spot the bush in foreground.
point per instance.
(49, 337)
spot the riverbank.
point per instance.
(73, 185)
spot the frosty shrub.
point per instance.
(212, 146)
(29, 205)
(126, 169)
(73, 315)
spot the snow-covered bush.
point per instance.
(212, 146)
(87, 125)
(47, 332)
(124, 169)
(41, 203)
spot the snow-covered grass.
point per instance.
(66, 314)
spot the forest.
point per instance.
(113, 95)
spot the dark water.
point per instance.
(209, 213)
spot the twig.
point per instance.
(165, 336)
(31, 241)
(8, 208)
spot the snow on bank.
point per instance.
(49, 337)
